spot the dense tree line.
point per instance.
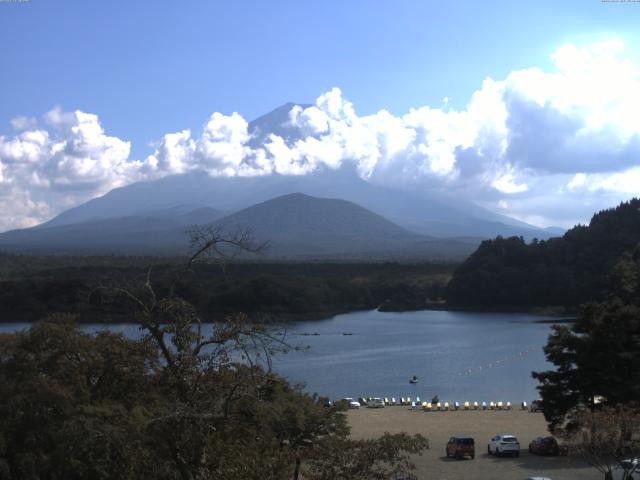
(30, 288)
(508, 273)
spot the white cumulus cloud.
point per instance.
(544, 146)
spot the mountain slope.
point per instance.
(156, 233)
(296, 226)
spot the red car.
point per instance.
(544, 446)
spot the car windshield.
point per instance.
(464, 441)
(626, 464)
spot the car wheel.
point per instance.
(446, 452)
(517, 454)
(530, 449)
(489, 449)
(473, 456)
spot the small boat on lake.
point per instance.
(414, 380)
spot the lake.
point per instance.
(458, 355)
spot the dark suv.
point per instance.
(536, 406)
(544, 446)
(460, 446)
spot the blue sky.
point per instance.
(151, 67)
(148, 68)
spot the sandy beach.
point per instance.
(481, 425)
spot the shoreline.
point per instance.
(556, 317)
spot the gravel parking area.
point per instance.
(481, 425)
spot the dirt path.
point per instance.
(481, 425)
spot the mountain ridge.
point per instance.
(296, 226)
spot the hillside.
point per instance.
(565, 271)
(150, 234)
(296, 226)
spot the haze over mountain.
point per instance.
(295, 226)
(299, 225)
(422, 211)
(155, 232)
(348, 216)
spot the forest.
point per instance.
(32, 287)
(564, 272)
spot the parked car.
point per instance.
(504, 444)
(627, 470)
(376, 403)
(351, 403)
(536, 406)
(460, 447)
(544, 446)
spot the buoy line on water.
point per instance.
(496, 363)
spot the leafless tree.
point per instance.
(604, 438)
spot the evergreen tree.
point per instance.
(599, 356)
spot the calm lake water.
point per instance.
(458, 355)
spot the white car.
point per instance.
(351, 403)
(627, 470)
(504, 444)
(376, 403)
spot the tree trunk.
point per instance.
(296, 472)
